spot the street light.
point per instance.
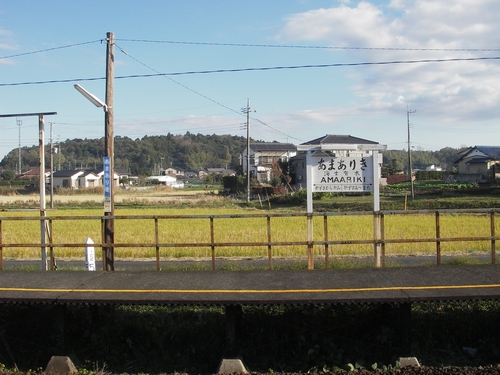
(91, 97)
(109, 174)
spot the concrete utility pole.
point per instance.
(410, 170)
(247, 111)
(51, 166)
(41, 180)
(19, 122)
(109, 230)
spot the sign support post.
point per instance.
(310, 231)
(377, 246)
(339, 173)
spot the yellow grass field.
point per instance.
(183, 229)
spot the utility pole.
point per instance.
(51, 166)
(19, 122)
(410, 170)
(247, 111)
(109, 229)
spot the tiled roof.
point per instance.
(492, 151)
(340, 139)
(66, 172)
(273, 146)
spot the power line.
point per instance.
(196, 92)
(176, 82)
(276, 130)
(334, 65)
(49, 49)
(311, 47)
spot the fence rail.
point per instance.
(378, 241)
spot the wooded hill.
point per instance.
(191, 152)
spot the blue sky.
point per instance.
(456, 102)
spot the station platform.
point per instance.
(333, 286)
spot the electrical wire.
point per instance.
(174, 81)
(311, 47)
(334, 65)
(50, 49)
(196, 92)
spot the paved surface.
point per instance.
(408, 284)
(247, 263)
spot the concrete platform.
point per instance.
(371, 285)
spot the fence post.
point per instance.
(382, 237)
(269, 248)
(1, 247)
(212, 241)
(492, 226)
(53, 265)
(310, 254)
(158, 268)
(438, 242)
(325, 230)
(376, 239)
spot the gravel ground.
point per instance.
(410, 370)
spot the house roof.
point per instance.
(34, 172)
(488, 153)
(67, 173)
(175, 168)
(491, 151)
(273, 146)
(87, 173)
(340, 139)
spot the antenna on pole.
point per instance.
(410, 170)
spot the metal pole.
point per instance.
(247, 110)
(41, 173)
(410, 170)
(51, 167)
(309, 192)
(376, 211)
(109, 230)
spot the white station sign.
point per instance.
(342, 174)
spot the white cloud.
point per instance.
(453, 91)
(331, 25)
(5, 46)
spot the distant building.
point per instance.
(264, 155)
(174, 171)
(81, 178)
(32, 174)
(479, 164)
(433, 168)
(168, 181)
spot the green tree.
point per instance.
(8, 175)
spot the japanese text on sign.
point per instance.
(107, 183)
(342, 174)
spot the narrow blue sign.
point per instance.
(107, 183)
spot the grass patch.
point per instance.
(230, 229)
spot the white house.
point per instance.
(67, 178)
(264, 155)
(167, 180)
(88, 179)
(80, 178)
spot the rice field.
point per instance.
(232, 230)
